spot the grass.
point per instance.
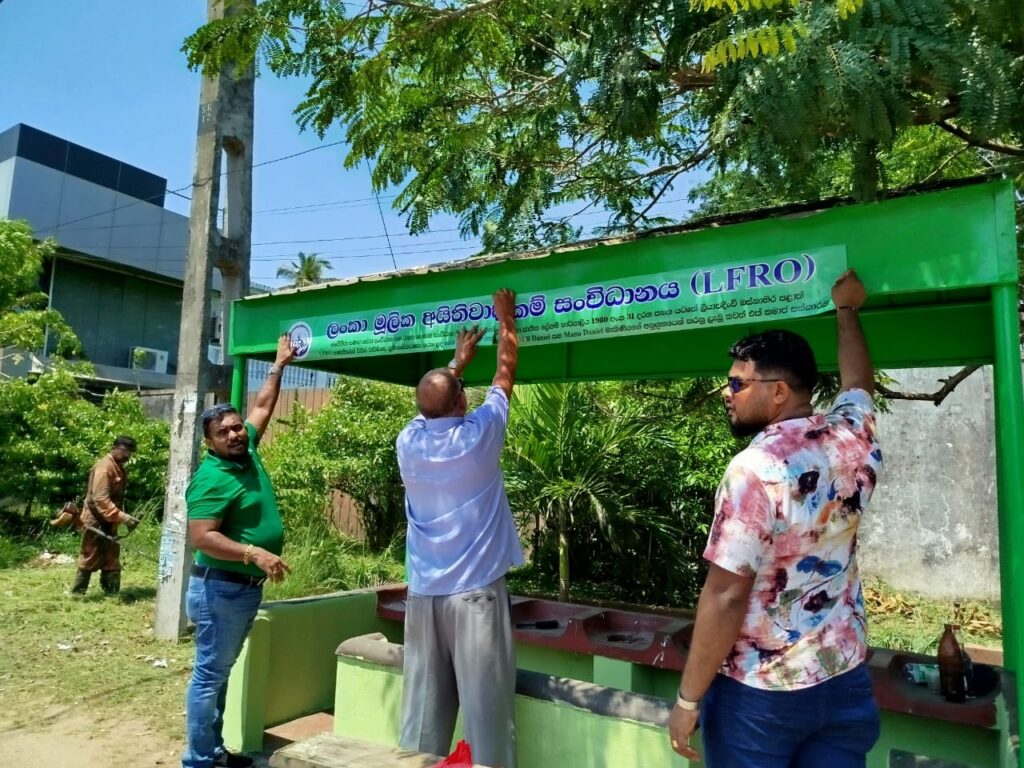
(93, 653)
(324, 561)
(96, 654)
(909, 622)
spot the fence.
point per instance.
(291, 378)
(311, 399)
(342, 508)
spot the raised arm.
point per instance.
(508, 341)
(855, 368)
(266, 399)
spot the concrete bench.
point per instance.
(559, 721)
(327, 751)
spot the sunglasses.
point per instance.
(735, 383)
(216, 411)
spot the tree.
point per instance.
(348, 446)
(919, 155)
(25, 318)
(308, 269)
(767, 28)
(506, 112)
(563, 456)
(49, 434)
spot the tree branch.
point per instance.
(685, 79)
(994, 146)
(451, 13)
(942, 166)
(948, 385)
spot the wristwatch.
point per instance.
(454, 364)
(274, 369)
(682, 703)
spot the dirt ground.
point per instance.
(62, 738)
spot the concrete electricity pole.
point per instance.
(225, 129)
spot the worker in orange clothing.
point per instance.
(103, 511)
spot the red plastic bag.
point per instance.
(462, 757)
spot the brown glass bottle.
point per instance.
(951, 667)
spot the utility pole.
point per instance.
(225, 129)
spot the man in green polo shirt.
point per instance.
(235, 528)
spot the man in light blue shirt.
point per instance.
(461, 542)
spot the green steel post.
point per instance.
(238, 383)
(1009, 412)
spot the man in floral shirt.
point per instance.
(776, 671)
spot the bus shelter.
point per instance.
(940, 268)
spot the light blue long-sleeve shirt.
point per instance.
(461, 532)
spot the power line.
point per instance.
(326, 204)
(194, 184)
(383, 222)
(346, 238)
(287, 210)
(461, 257)
(408, 250)
(343, 239)
(363, 255)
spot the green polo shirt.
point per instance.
(241, 497)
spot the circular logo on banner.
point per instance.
(302, 339)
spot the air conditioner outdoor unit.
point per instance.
(147, 359)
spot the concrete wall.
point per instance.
(158, 404)
(111, 312)
(6, 182)
(932, 524)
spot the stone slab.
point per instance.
(303, 727)
(329, 751)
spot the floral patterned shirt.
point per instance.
(786, 514)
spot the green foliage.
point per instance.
(308, 269)
(896, 65)
(631, 468)
(563, 451)
(348, 446)
(504, 111)
(50, 436)
(323, 560)
(765, 27)
(617, 482)
(919, 155)
(24, 316)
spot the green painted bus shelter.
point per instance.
(940, 268)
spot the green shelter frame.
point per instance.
(940, 268)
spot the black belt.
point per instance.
(219, 574)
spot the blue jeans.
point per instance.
(223, 612)
(832, 724)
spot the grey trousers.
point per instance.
(459, 651)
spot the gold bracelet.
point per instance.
(247, 555)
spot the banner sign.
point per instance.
(788, 285)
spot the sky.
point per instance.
(109, 75)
